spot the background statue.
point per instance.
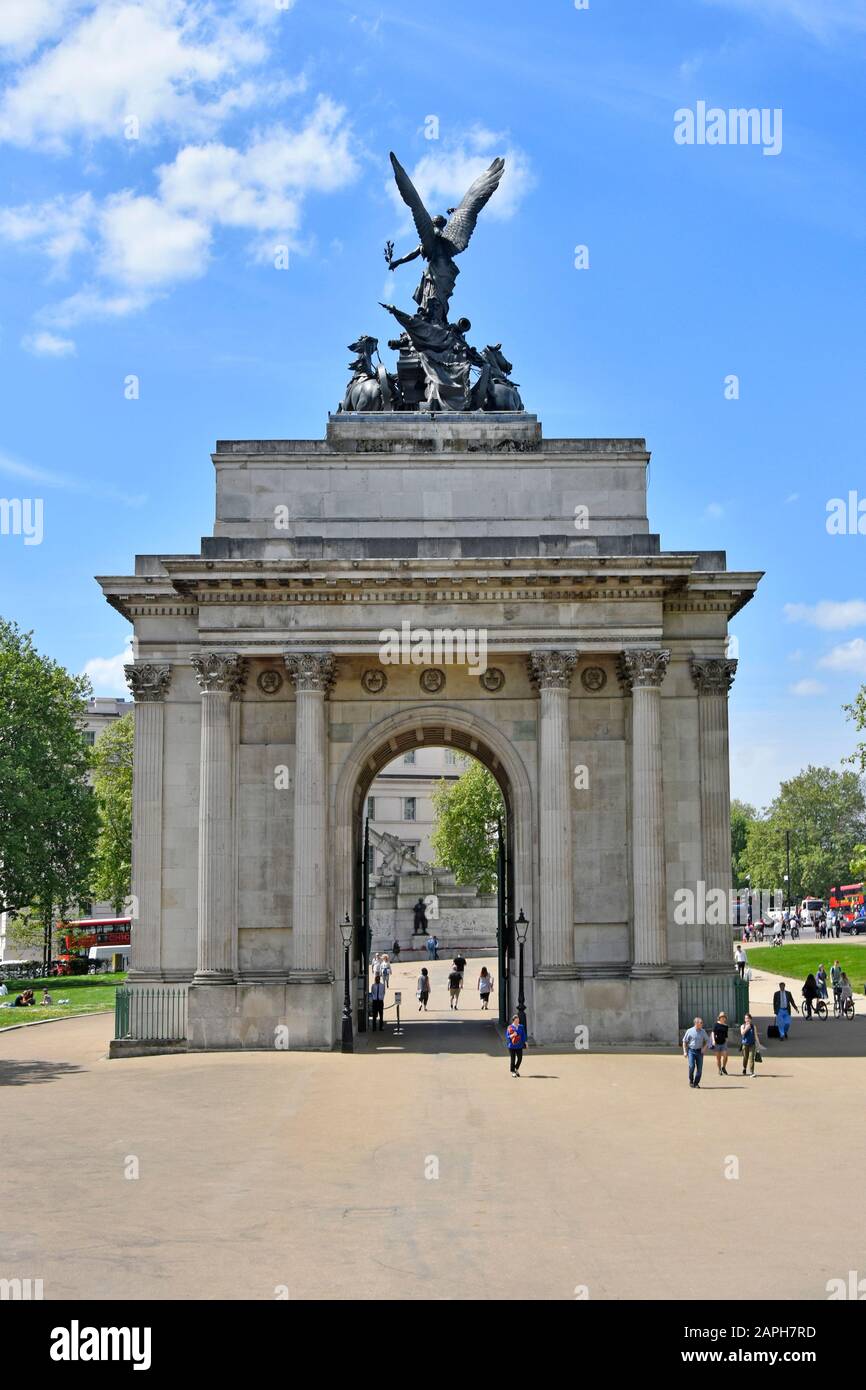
(441, 240)
(396, 856)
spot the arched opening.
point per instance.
(460, 735)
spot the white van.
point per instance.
(107, 953)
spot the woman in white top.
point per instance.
(485, 986)
(385, 970)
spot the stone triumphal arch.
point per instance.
(264, 708)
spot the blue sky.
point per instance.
(153, 156)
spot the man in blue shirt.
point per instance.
(695, 1043)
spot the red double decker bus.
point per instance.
(79, 936)
(847, 899)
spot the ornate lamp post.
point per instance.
(346, 933)
(521, 926)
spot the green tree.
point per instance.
(48, 817)
(465, 839)
(856, 712)
(742, 816)
(112, 784)
(824, 812)
(857, 867)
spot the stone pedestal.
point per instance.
(643, 671)
(149, 684)
(551, 672)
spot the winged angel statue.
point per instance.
(441, 239)
(436, 363)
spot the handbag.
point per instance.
(759, 1057)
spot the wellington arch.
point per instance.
(263, 709)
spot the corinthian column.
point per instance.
(643, 671)
(551, 672)
(220, 676)
(714, 677)
(312, 675)
(149, 685)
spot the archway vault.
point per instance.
(435, 725)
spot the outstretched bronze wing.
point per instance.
(461, 223)
(412, 199)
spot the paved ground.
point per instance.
(318, 1171)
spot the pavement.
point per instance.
(418, 1169)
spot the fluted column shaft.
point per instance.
(713, 678)
(551, 671)
(644, 670)
(312, 676)
(220, 675)
(149, 684)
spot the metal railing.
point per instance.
(150, 1015)
(707, 996)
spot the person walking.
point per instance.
(720, 1043)
(423, 989)
(395, 950)
(821, 981)
(455, 984)
(431, 947)
(810, 994)
(749, 1044)
(485, 987)
(783, 1003)
(515, 1035)
(740, 960)
(835, 979)
(377, 1000)
(435, 947)
(385, 971)
(695, 1042)
(459, 962)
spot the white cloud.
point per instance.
(147, 245)
(105, 673)
(59, 228)
(48, 345)
(714, 511)
(808, 687)
(43, 477)
(792, 497)
(824, 19)
(140, 245)
(443, 175)
(828, 615)
(848, 656)
(26, 23)
(173, 64)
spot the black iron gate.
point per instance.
(362, 944)
(503, 907)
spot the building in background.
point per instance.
(400, 800)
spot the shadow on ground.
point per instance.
(27, 1073)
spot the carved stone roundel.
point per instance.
(593, 678)
(269, 682)
(374, 682)
(432, 681)
(492, 679)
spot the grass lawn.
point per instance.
(800, 958)
(87, 994)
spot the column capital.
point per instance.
(551, 670)
(314, 671)
(223, 672)
(643, 667)
(713, 675)
(147, 681)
